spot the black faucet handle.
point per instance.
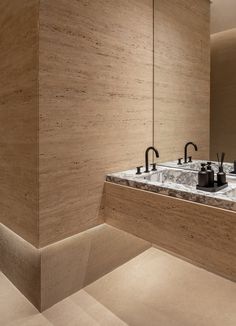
(179, 161)
(190, 159)
(154, 166)
(139, 169)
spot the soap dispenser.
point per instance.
(203, 179)
(210, 175)
(221, 176)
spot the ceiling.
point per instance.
(223, 15)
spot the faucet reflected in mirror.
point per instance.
(186, 158)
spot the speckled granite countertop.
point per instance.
(196, 165)
(177, 183)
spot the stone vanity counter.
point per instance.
(196, 165)
(177, 183)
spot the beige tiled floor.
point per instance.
(154, 288)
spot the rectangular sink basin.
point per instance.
(172, 176)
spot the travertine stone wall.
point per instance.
(95, 102)
(95, 84)
(75, 104)
(95, 108)
(19, 117)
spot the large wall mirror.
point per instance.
(195, 78)
(223, 78)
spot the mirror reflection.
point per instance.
(223, 78)
(189, 70)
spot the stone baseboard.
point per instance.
(47, 275)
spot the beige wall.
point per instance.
(95, 102)
(93, 110)
(95, 105)
(19, 116)
(95, 114)
(182, 77)
(223, 98)
(223, 15)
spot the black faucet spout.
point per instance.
(186, 150)
(146, 157)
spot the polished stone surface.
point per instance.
(196, 165)
(152, 289)
(179, 183)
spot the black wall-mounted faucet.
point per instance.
(186, 151)
(146, 157)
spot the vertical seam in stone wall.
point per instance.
(153, 70)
